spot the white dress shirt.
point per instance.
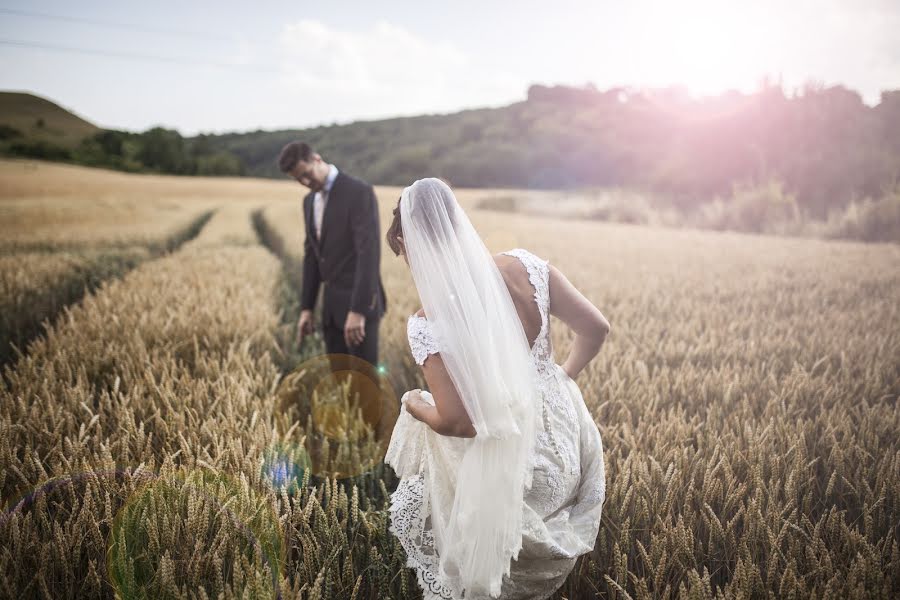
(321, 197)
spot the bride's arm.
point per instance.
(448, 415)
(585, 319)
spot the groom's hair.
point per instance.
(292, 153)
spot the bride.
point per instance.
(501, 469)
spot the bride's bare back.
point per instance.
(566, 303)
(515, 275)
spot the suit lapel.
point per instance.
(333, 195)
(310, 224)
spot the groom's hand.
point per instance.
(354, 328)
(304, 325)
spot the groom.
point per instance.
(341, 254)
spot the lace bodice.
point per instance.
(422, 339)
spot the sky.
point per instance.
(200, 66)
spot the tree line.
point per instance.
(157, 150)
(824, 144)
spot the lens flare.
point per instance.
(165, 522)
(285, 466)
(341, 410)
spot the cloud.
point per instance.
(376, 60)
(383, 70)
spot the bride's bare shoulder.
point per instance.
(420, 312)
(513, 271)
(503, 260)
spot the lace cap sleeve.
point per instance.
(422, 340)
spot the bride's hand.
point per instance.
(413, 400)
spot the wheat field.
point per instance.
(746, 397)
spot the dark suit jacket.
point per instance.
(347, 259)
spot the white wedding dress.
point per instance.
(562, 508)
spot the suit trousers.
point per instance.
(367, 350)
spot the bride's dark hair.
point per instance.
(395, 231)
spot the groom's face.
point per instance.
(311, 173)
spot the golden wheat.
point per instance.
(47, 207)
(747, 399)
(35, 286)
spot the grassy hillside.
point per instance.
(38, 119)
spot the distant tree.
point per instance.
(7, 132)
(112, 142)
(218, 163)
(40, 149)
(163, 150)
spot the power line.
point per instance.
(135, 56)
(113, 24)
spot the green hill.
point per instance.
(825, 144)
(28, 118)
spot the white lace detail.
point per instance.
(554, 483)
(422, 340)
(596, 494)
(408, 513)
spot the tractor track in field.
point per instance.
(104, 265)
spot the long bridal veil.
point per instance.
(485, 350)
